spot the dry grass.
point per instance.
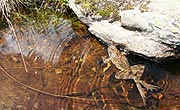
(7, 6)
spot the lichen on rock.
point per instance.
(109, 9)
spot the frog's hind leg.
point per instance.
(149, 86)
(123, 75)
(141, 92)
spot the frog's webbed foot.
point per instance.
(141, 92)
(149, 86)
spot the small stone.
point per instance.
(76, 61)
(81, 60)
(58, 71)
(94, 69)
(157, 96)
(14, 59)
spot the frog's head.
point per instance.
(112, 50)
(112, 47)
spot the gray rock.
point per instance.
(143, 43)
(153, 33)
(135, 19)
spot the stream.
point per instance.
(65, 71)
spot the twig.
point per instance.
(17, 40)
(40, 91)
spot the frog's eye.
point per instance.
(114, 47)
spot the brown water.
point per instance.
(65, 71)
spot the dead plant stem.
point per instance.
(40, 91)
(17, 40)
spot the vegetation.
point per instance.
(31, 10)
(108, 9)
(37, 13)
(95, 7)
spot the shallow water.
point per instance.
(65, 71)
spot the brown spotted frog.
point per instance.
(126, 71)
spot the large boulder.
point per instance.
(150, 28)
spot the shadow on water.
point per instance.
(64, 62)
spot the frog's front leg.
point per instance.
(106, 60)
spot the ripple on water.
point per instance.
(48, 44)
(60, 62)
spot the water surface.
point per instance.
(66, 62)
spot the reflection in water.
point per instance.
(47, 45)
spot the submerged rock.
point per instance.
(150, 28)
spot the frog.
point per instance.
(126, 71)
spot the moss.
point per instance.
(96, 7)
(57, 3)
(38, 18)
(79, 26)
(86, 5)
(104, 13)
(109, 9)
(10, 7)
(78, 1)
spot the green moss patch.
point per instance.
(96, 7)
